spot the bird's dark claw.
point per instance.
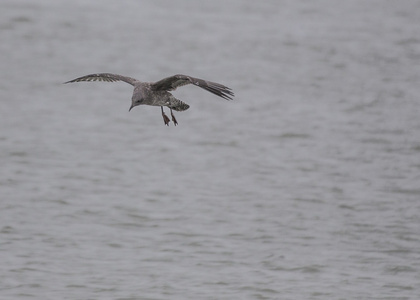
(173, 119)
(165, 117)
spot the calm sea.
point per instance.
(305, 186)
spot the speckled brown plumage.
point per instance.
(157, 93)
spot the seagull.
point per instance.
(157, 93)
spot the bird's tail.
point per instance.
(178, 105)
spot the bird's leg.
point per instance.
(173, 118)
(165, 117)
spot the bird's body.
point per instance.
(157, 93)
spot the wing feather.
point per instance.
(171, 83)
(108, 77)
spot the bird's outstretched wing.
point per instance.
(105, 77)
(171, 83)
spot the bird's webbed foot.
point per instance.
(165, 117)
(173, 118)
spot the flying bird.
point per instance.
(158, 93)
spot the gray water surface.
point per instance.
(306, 186)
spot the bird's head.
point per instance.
(135, 102)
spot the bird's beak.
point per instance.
(131, 107)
